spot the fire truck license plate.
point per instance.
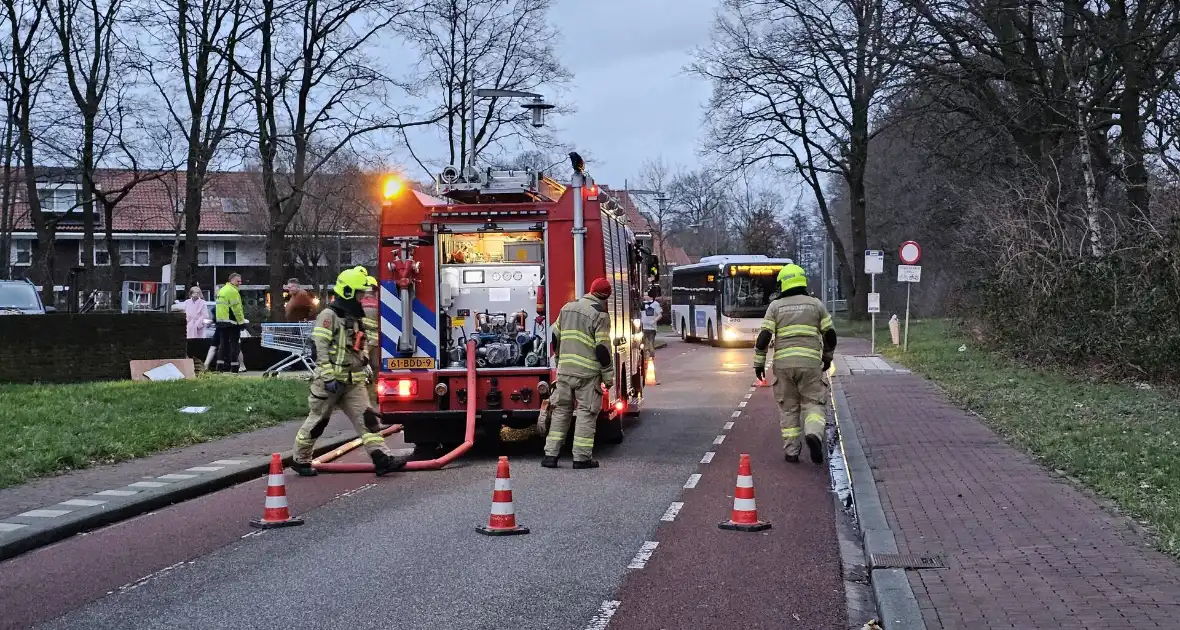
(410, 363)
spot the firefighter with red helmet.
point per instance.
(581, 343)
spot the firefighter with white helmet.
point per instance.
(804, 341)
(341, 377)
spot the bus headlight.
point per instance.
(729, 334)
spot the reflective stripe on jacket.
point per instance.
(582, 326)
(229, 304)
(336, 360)
(798, 323)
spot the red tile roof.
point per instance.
(232, 203)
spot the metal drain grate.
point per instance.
(906, 561)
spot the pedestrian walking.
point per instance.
(804, 341)
(300, 303)
(341, 380)
(581, 342)
(230, 317)
(196, 321)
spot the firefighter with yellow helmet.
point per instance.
(804, 341)
(341, 378)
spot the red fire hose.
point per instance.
(324, 462)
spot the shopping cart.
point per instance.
(294, 338)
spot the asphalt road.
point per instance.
(402, 551)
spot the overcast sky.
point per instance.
(634, 100)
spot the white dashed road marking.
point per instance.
(204, 468)
(175, 477)
(728, 426)
(708, 457)
(736, 413)
(10, 527)
(228, 462)
(748, 396)
(719, 439)
(673, 510)
(116, 493)
(147, 484)
(605, 612)
(643, 555)
(692, 481)
(742, 404)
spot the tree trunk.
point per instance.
(194, 184)
(275, 238)
(87, 205)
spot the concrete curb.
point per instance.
(895, 599)
(117, 509)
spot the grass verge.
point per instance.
(1120, 441)
(55, 428)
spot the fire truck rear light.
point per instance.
(620, 405)
(542, 389)
(382, 388)
(440, 390)
(405, 388)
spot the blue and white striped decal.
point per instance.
(425, 324)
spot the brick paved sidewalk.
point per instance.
(1023, 548)
(51, 490)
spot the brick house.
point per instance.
(334, 229)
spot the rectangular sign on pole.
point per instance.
(909, 273)
(874, 302)
(874, 262)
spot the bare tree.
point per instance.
(701, 211)
(757, 224)
(315, 92)
(796, 84)
(196, 44)
(655, 174)
(484, 44)
(33, 59)
(8, 157)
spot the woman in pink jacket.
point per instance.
(196, 315)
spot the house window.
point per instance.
(102, 257)
(59, 198)
(23, 252)
(229, 253)
(203, 254)
(134, 253)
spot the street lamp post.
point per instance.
(536, 107)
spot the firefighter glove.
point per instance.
(760, 372)
(333, 386)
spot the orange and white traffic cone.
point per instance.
(275, 514)
(649, 377)
(502, 521)
(745, 513)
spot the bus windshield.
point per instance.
(748, 296)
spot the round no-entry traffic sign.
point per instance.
(910, 253)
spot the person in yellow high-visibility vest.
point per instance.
(341, 379)
(230, 317)
(581, 341)
(804, 341)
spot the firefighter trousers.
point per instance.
(799, 393)
(353, 400)
(586, 391)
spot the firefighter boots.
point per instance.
(304, 469)
(816, 447)
(384, 464)
(586, 463)
(549, 461)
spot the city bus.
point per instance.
(722, 299)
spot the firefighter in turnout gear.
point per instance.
(581, 343)
(341, 378)
(804, 341)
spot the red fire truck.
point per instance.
(488, 261)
